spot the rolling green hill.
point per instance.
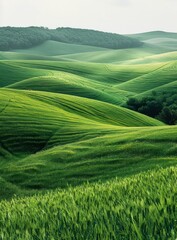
(68, 84)
(154, 43)
(118, 56)
(105, 82)
(74, 163)
(22, 38)
(22, 56)
(164, 75)
(29, 108)
(157, 58)
(49, 130)
(53, 48)
(154, 35)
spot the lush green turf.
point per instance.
(165, 74)
(105, 82)
(44, 124)
(169, 87)
(117, 56)
(61, 123)
(22, 56)
(22, 114)
(67, 84)
(168, 43)
(49, 129)
(11, 73)
(78, 154)
(53, 48)
(96, 81)
(154, 35)
(163, 57)
(140, 207)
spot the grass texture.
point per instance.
(131, 208)
(111, 172)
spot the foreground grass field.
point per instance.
(140, 207)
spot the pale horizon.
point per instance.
(116, 16)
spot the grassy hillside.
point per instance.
(118, 56)
(22, 56)
(76, 154)
(97, 210)
(29, 108)
(53, 48)
(153, 35)
(75, 164)
(68, 84)
(168, 43)
(74, 49)
(165, 74)
(157, 58)
(104, 82)
(71, 52)
(10, 73)
(44, 134)
(169, 87)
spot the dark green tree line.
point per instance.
(162, 106)
(20, 38)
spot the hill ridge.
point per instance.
(20, 38)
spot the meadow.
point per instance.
(76, 164)
(130, 208)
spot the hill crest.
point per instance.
(21, 38)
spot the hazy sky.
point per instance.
(121, 16)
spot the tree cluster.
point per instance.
(97, 38)
(162, 106)
(16, 38)
(20, 38)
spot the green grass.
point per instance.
(68, 83)
(107, 73)
(140, 207)
(157, 58)
(61, 124)
(104, 82)
(96, 81)
(33, 117)
(169, 87)
(168, 43)
(43, 133)
(117, 82)
(154, 35)
(23, 56)
(116, 56)
(62, 119)
(53, 48)
(166, 74)
(11, 73)
(76, 155)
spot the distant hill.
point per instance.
(22, 38)
(154, 34)
(54, 48)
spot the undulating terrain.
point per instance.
(74, 162)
